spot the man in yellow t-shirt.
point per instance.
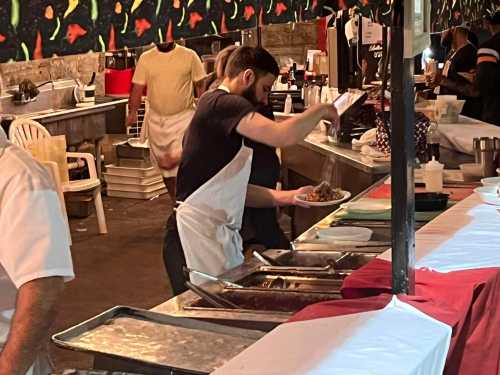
(169, 72)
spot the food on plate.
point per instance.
(324, 193)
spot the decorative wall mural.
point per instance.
(444, 13)
(34, 29)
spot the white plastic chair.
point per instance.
(51, 167)
(23, 132)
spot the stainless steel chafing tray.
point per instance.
(264, 301)
(176, 344)
(319, 260)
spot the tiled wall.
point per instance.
(74, 66)
(283, 40)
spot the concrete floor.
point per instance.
(124, 267)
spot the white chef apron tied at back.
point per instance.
(209, 220)
(165, 134)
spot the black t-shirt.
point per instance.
(463, 61)
(211, 140)
(260, 225)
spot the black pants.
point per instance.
(173, 257)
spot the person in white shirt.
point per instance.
(169, 73)
(35, 260)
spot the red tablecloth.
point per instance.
(468, 301)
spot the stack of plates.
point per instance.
(367, 206)
(343, 234)
(136, 183)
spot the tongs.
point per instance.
(211, 298)
(264, 259)
(212, 278)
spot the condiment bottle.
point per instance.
(433, 142)
(288, 104)
(433, 176)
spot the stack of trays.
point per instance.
(134, 182)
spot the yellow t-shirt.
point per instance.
(169, 78)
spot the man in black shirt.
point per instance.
(212, 185)
(462, 59)
(488, 72)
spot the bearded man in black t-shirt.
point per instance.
(212, 182)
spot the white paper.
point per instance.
(459, 136)
(372, 32)
(397, 340)
(466, 236)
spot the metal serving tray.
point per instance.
(303, 260)
(265, 301)
(176, 344)
(271, 281)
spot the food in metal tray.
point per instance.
(324, 193)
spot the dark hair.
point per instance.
(255, 58)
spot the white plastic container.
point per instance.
(491, 181)
(288, 104)
(488, 194)
(433, 176)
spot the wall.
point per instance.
(286, 40)
(76, 66)
(282, 40)
(34, 29)
(290, 40)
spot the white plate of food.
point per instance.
(323, 195)
(357, 234)
(367, 207)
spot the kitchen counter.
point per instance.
(317, 141)
(51, 114)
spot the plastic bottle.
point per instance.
(288, 104)
(291, 77)
(433, 176)
(433, 142)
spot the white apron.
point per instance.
(209, 220)
(165, 134)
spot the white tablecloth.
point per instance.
(397, 340)
(459, 136)
(466, 236)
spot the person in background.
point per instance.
(488, 72)
(460, 61)
(35, 260)
(220, 66)
(212, 185)
(169, 72)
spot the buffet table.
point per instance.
(453, 316)
(457, 283)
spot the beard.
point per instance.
(251, 95)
